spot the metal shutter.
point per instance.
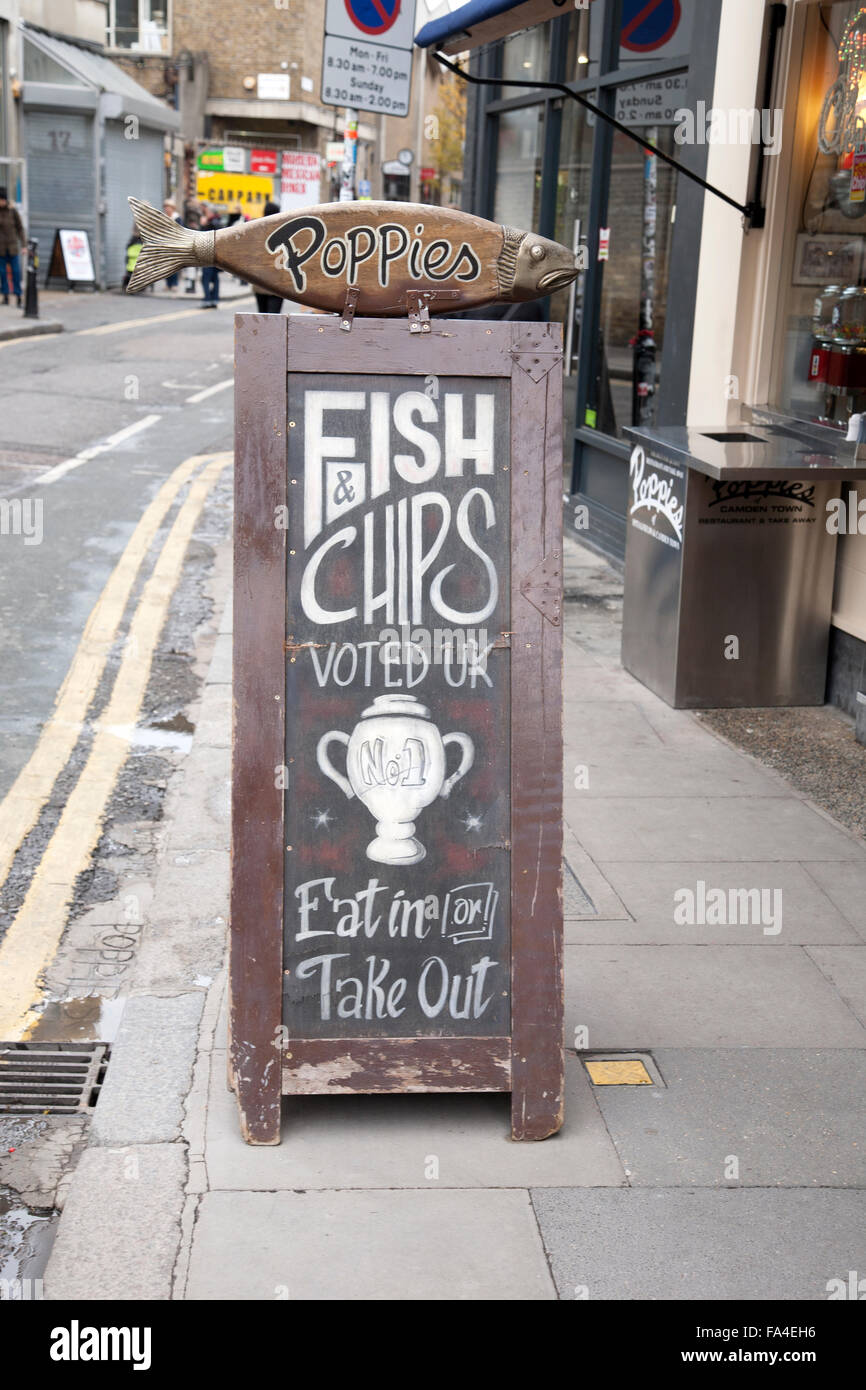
(61, 176)
(131, 166)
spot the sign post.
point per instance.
(350, 157)
(397, 831)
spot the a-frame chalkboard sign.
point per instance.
(71, 259)
(397, 832)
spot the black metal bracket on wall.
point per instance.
(752, 211)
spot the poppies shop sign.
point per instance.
(374, 258)
(396, 920)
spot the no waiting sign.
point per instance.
(390, 21)
(367, 58)
(647, 25)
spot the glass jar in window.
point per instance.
(822, 319)
(850, 315)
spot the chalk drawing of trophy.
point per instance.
(395, 764)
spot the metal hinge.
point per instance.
(543, 587)
(418, 307)
(349, 308)
(535, 348)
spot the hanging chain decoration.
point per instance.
(841, 126)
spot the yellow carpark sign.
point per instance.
(250, 191)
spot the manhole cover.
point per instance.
(38, 1078)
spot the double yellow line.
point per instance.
(29, 945)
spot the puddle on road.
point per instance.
(173, 733)
(26, 1238)
(178, 724)
(87, 1019)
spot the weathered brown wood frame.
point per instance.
(263, 1065)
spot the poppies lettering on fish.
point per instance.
(389, 242)
(384, 252)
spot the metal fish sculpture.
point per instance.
(384, 251)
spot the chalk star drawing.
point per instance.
(322, 819)
(472, 822)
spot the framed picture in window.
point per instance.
(829, 259)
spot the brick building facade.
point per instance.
(208, 63)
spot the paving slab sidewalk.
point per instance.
(739, 1173)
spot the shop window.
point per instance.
(575, 172)
(636, 239)
(4, 27)
(571, 228)
(652, 34)
(39, 67)
(556, 169)
(519, 167)
(525, 56)
(582, 45)
(397, 185)
(820, 367)
(140, 25)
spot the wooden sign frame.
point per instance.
(264, 1063)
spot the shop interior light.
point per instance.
(841, 122)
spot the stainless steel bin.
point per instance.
(730, 563)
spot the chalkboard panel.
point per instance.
(397, 808)
(396, 915)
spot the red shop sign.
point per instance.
(263, 161)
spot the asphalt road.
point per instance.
(96, 424)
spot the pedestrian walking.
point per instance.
(192, 220)
(133, 251)
(11, 241)
(169, 207)
(235, 215)
(210, 276)
(269, 303)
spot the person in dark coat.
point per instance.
(169, 207)
(11, 241)
(269, 303)
(210, 276)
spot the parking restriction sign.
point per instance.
(367, 55)
(391, 21)
(648, 25)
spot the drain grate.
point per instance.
(38, 1078)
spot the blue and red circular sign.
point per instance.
(376, 16)
(646, 24)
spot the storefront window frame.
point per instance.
(115, 43)
(600, 87)
(4, 87)
(785, 194)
